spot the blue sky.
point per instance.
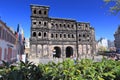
(15, 12)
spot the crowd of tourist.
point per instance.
(114, 56)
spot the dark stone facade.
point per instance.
(64, 37)
(117, 39)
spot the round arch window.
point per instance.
(79, 35)
(60, 25)
(39, 34)
(52, 35)
(79, 39)
(45, 34)
(60, 35)
(34, 11)
(68, 26)
(40, 12)
(72, 26)
(83, 35)
(56, 35)
(34, 34)
(68, 35)
(64, 35)
(72, 36)
(45, 12)
(45, 23)
(40, 22)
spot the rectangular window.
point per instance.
(5, 54)
(9, 54)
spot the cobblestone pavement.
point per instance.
(46, 60)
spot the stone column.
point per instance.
(36, 51)
(63, 51)
(42, 50)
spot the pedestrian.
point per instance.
(74, 58)
(54, 54)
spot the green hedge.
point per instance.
(84, 69)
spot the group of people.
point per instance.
(114, 56)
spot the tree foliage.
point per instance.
(114, 6)
(84, 69)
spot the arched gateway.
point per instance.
(69, 51)
(57, 52)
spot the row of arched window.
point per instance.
(62, 25)
(55, 35)
(39, 23)
(39, 34)
(80, 39)
(59, 26)
(40, 12)
(83, 26)
(83, 35)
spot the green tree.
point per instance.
(114, 6)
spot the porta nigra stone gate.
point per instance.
(58, 36)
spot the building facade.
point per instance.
(64, 37)
(20, 43)
(102, 44)
(27, 46)
(117, 38)
(8, 50)
(111, 45)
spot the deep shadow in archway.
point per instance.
(69, 51)
(58, 52)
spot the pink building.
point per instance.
(8, 51)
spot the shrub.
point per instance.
(84, 69)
